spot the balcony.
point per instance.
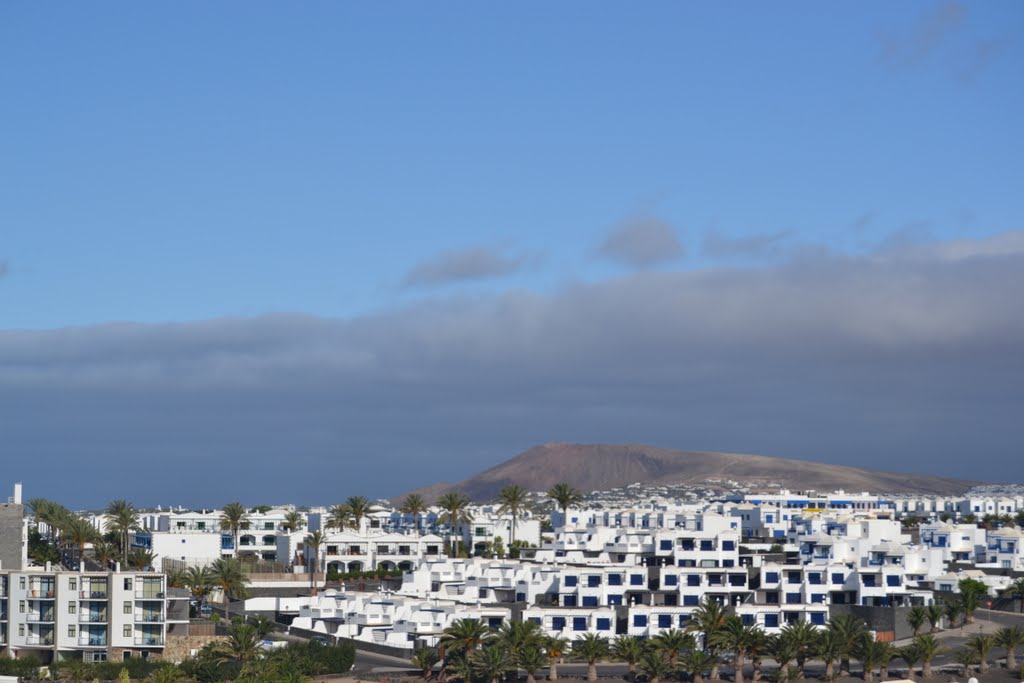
(41, 593)
(148, 640)
(92, 617)
(147, 593)
(39, 640)
(93, 640)
(94, 594)
(149, 616)
(40, 617)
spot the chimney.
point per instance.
(17, 494)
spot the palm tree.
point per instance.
(628, 650)
(966, 658)
(339, 517)
(175, 578)
(459, 666)
(122, 518)
(425, 659)
(415, 506)
(736, 637)
(358, 507)
(873, 654)
(886, 653)
(242, 645)
(315, 541)
(464, 636)
(566, 496)
(672, 643)
(848, 631)
(696, 662)
(783, 651)
(590, 648)
(199, 583)
(971, 593)
(531, 660)
(294, 521)
(140, 559)
(654, 666)
(708, 618)
(79, 534)
(981, 645)
(1010, 638)
(227, 575)
(492, 663)
(166, 673)
(829, 649)
(804, 636)
(756, 649)
(1016, 590)
(516, 636)
(928, 647)
(514, 500)
(916, 618)
(953, 612)
(912, 656)
(263, 626)
(104, 552)
(455, 509)
(935, 614)
(555, 647)
(233, 517)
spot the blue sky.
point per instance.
(187, 162)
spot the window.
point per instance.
(771, 620)
(604, 624)
(737, 580)
(869, 580)
(814, 578)
(593, 581)
(128, 584)
(21, 606)
(21, 629)
(792, 598)
(837, 579)
(671, 580)
(569, 601)
(636, 579)
(707, 544)
(72, 605)
(728, 563)
(126, 632)
(520, 597)
(558, 623)
(818, 597)
(127, 607)
(683, 618)
(73, 584)
(771, 577)
(21, 582)
(747, 619)
(664, 621)
(892, 580)
(818, 618)
(691, 600)
(614, 600)
(615, 579)
(571, 581)
(535, 620)
(579, 623)
(639, 620)
(693, 579)
(590, 601)
(665, 544)
(71, 631)
(671, 599)
(793, 577)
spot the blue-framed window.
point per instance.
(818, 618)
(664, 621)
(636, 579)
(665, 544)
(792, 598)
(693, 579)
(814, 578)
(604, 624)
(771, 620)
(893, 580)
(593, 581)
(520, 597)
(771, 577)
(590, 601)
(838, 578)
(818, 597)
(569, 601)
(571, 581)
(747, 619)
(536, 620)
(557, 623)
(614, 599)
(728, 545)
(691, 600)
(671, 580)
(640, 620)
(615, 579)
(683, 620)
(579, 623)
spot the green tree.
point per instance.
(80, 532)
(1016, 589)
(262, 625)
(935, 614)
(829, 649)
(1010, 638)
(708, 618)
(565, 496)
(555, 647)
(339, 517)
(849, 631)
(415, 506)
(981, 645)
(456, 512)
(966, 658)
(122, 518)
(227, 574)
(425, 659)
(736, 637)
(465, 636)
(695, 662)
(872, 655)
(783, 651)
(654, 666)
(492, 663)
(314, 541)
(804, 637)
(672, 643)
(140, 559)
(954, 610)
(971, 593)
(916, 618)
(243, 645)
(628, 650)
(912, 656)
(590, 648)
(928, 647)
(294, 521)
(358, 508)
(199, 582)
(532, 659)
(513, 500)
(233, 517)
(166, 673)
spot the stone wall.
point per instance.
(180, 649)
(11, 522)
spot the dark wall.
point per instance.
(890, 619)
(11, 517)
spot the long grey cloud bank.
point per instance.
(904, 360)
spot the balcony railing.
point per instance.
(149, 616)
(149, 594)
(44, 617)
(92, 617)
(149, 640)
(93, 641)
(39, 640)
(93, 594)
(41, 593)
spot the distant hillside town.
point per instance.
(709, 579)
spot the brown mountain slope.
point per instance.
(593, 467)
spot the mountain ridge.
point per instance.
(596, 467)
